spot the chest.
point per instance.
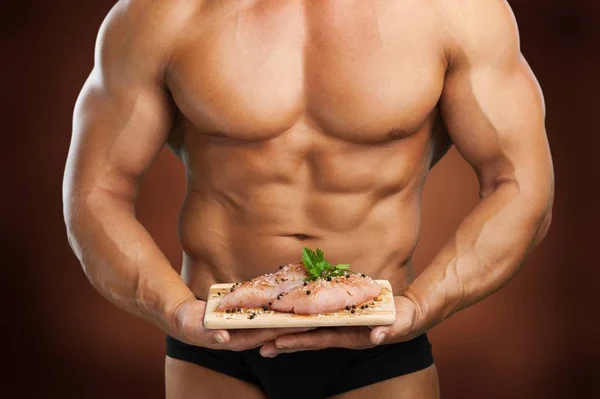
(363, 71)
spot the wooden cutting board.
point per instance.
(382, 311)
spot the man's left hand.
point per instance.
(406, 327)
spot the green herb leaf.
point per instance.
(320, 255)
(317, 267)
(343, 267)
(307, 257)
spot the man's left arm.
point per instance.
(493, 109)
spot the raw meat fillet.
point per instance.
(323, 296)
(261, 290)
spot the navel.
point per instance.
(299, 236)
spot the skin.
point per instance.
(305, 123)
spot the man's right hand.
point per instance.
(189, 320)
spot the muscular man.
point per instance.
(305, 123)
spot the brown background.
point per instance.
(537, 338)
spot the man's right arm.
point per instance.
(122, 119)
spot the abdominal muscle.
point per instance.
(253, 209)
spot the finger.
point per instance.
(403, 328)
(191, 330)
(219, 337)
(345, 337)
(379, 335)
(247, 339)
(208, 338)
(400, 328)
(287, 331)
(325, 338)
(269, 334)
(315, 340)
(270, 350)
(189, 322)
(271, 353)
(252, 338)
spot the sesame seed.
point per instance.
(347, 307)
(265, 308)
(218, 293)
(308, 292)
(280, 267)
(305, 283)
(353, 306)
(270, 303)
(352, 311)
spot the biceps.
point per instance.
(495, 116)
(116, 135)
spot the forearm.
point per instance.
(121, 259)
(485, 252)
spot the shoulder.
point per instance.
(478, 29)
(157, 15)
(140, 34)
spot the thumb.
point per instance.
(190, 323)
(402, 327)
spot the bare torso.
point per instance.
(305, 123)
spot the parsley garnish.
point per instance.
(317, 267)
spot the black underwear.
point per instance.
(311, 374)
